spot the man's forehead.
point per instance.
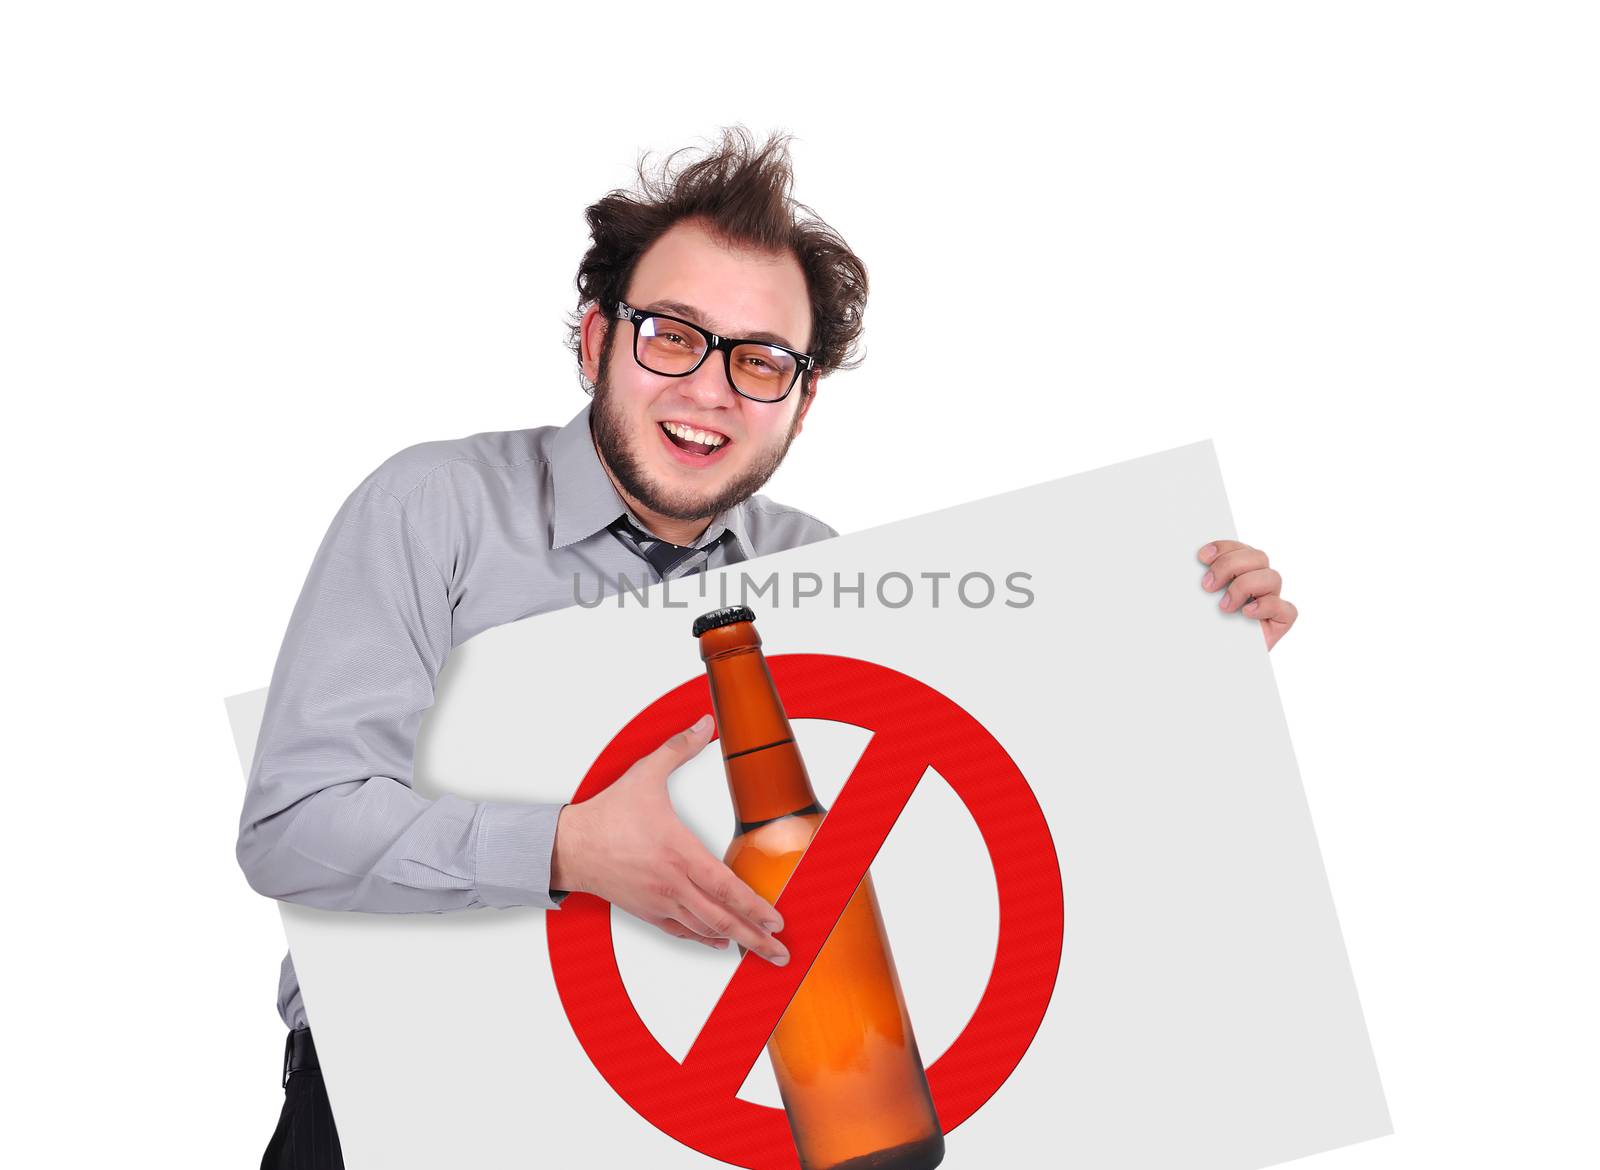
(732, 291)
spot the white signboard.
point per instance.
(1201, 1012)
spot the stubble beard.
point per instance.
(623, 458)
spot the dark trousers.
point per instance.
(305, 1138)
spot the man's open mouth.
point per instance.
(693, 440)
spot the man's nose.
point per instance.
(708, 385)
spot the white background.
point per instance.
(247, 253)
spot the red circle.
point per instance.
(1027, 877)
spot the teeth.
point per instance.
(710, 438)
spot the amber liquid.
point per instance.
(844, 1055)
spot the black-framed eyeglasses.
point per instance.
(675, 348)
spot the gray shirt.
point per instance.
(443, 541)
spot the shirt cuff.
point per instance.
(515, 842)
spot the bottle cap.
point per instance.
(722, 617)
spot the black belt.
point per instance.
(299, 1054)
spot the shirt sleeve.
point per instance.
(330, 818)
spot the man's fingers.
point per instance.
(1216, 548)
(1272, 609)
(1276, 615)
(1233, 563)
(723, 886)
(681, 748)
(1249, 584)
(1257, 583)
(693, 923)
(690, 920)
(678, 930)
(726, 921)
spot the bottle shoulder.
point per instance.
(781, 838)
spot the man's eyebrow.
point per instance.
(679, 309)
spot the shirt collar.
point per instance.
(732, 522)
(586, 501)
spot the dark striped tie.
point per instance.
(663, 555)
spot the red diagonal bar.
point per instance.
(811, 902)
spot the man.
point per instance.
(710, 307)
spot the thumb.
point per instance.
(687, 744)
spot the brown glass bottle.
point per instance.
(844, 1055)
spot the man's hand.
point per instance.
(628, 846)
(1249, 586)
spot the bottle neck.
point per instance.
(766, 776)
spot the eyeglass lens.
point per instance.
(667, 347)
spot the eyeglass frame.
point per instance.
(804, 362)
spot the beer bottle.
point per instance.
(846, 1061)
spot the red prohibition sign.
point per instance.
(914, 726)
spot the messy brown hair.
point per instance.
(741, 192)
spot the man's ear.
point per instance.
(592, 338)
(806, 400)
